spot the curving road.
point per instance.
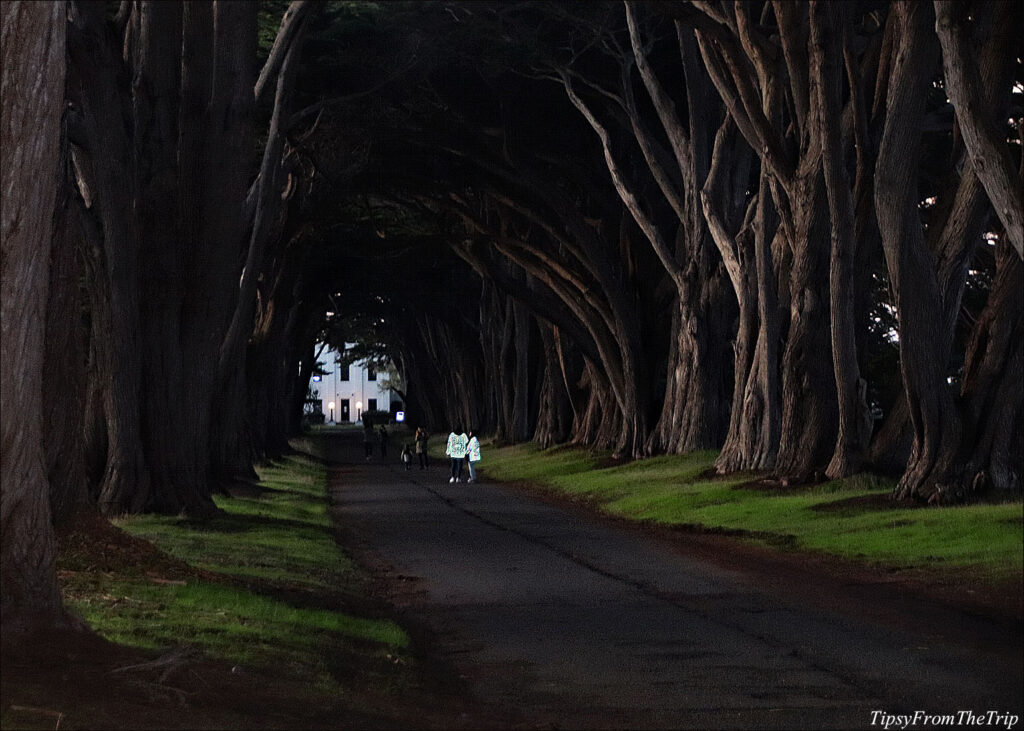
(558, 619)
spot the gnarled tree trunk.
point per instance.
(936, 424)
(827, 43)
(992, 394)
(32, 38)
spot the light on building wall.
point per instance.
(330, 405)
(359, 410)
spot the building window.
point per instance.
(372, 405)
(343, 372)
(371, 373)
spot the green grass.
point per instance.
(264, 585)
(673, 491)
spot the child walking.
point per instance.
(473, 454)
(407, 457)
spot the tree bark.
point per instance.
(828, 39)
(693, 411)
(933, 415)
(756, 419)
(99, 79)
(554, 420)
(168, 162)
(809, 400)
(32, 38)
(992, 392)
(737, 56)
(954, 234)
(521, 426)
(227, 177)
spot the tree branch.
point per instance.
(291, 23)
(991, 162)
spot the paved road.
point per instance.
(561, 620)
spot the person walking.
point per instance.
(472, 454)
(368, 440)
(407, 457)
(421, 447)
(456, 451)
(383, 443)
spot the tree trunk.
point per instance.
(893, 441)
(304, 349)
(936, 425)
(554, 420)
(168, 159)
(600, 424)
(179, 365)
(64, 363)
(98, 77)
(32, 38)
(273, 352)
(992, 394)
(776, 120)
(954, 232)
(809, 404)
(521, 431)
(828, 39)
(506, 426)
(695, 406)
(490, 345)
(756, 418)
(228, 176)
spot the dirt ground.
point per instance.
(78, 680)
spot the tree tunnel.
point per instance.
(646, 227)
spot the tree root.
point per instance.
(167, 664)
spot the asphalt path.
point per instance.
(560, 619)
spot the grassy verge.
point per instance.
(263, 586)
(848, 518)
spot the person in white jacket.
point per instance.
(456, 451)
(473, 454)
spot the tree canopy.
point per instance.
(789, 232)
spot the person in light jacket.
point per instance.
(472, 454)
(456, 451)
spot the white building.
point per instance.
(347, 391)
